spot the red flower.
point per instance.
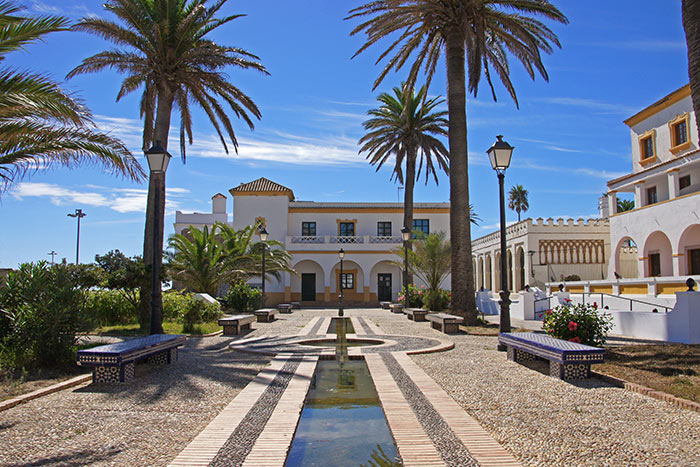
(595, 305)
(572, 326)
(549, 312)
(575, 339)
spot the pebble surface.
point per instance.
(542, 421)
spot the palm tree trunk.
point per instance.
(410, 183)
(691, 24)
(463, 300)
(156, 182)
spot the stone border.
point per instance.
(45, 391)
(640, 389)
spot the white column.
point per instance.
(678, 259)
(672, 183)
(638, 195)
(612, 202)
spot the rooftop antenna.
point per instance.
(398, 193)
(53, 255)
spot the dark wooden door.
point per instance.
(384, 287)
(308, 287)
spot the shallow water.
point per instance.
(342, 423)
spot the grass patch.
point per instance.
(671, 368)
(169, 327)
(13, 385)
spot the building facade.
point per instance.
(663, 229)
(314, 232)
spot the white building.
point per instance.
(663, 229)
(314, 232)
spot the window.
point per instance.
(422, 224)
(308, 229)
(647, 147)
(684, 182)
(347, 280)
(655, 264)
(346, 229)
(260, 223)
(694, 261)
(383, 229)
(651, 195)
(679, 132)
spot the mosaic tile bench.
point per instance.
(567, 360)
(416, 314)
(233, 325)
(114, 363)
(384, 305)
(396, 308)
(449, 324)
(284, 308)
(265, 315)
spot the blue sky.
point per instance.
(616, 58)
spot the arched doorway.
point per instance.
(307, 284)
(509, 265)
(689, 247)
(488, 273)
(657, 251)
(519, 269)
(627, 259)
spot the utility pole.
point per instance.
(79, 214)
(53, 254)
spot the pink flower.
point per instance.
(575, 339)
(572, 326)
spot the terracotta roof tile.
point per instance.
(262, 185)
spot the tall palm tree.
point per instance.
(405, 128)
(166, 54)
(482, 32)
(41, 125)
(624, 205)
(517, 199)
(691, 24)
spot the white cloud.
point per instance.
(607, 107)
(646, 45)
(560, 149)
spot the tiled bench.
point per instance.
(384, 305)
(567, 360)
(114, 363)
(396, 308)
(295, 305)
(449, 324)
(416, 314)
(233, 325)
(284, 308)
(265, 315)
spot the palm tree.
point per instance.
(482, 32)
(517, 199)
(429, 260)
(167, 55)
(624, 205)
(691, 24)
(405, 127)
(473, 216)
(41, 125)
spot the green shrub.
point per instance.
(187, 310)
(109, 307)
(572, 278)
(42, 310)
(414, 295)
(242, 298)
(578, 323)
(438, 300)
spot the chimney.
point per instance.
(218, 204)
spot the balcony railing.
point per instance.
(373, 239)
(308, 239)
(346, 239)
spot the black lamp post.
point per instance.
(79, 214)
(341, 255)
(158, 159)
(406, 235)
(499, 155)
(263, 238)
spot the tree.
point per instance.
(691, 25)
(473, 216)
(482, 32)
(624, 205)
(404, 128)
(429, 259)
(40, 124)
(123, 274)
(168, 56)
(517, 199)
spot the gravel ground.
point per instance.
(542, 421)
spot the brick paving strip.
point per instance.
(312, 327)
(231, 436)
(365, 327)
(4, 405)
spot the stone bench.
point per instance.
(233, 325)
(265, 315)
(396, 308)
(416, 314)
(295, 305)
(449, 324)
(567, 360)
(114, 363)
(284, 308)
(384, 305)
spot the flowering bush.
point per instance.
(437, 300)
(415, 296)
(578, 323)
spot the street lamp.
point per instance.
(53, 256)
(341, 255)
(499, 155)
(406, 234)
(158, 159)
(263, 238)
(79, 214)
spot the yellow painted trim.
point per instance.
(634, 289)
(335, 252)
(643, 258)
(288, 194)
(656, 204)
(258, 221)
(602, 289)
(346, 271)
(651, 134)
(575, 289)
(287, 293)
(374, 210)
(327, 293)
(667, 289)
(676, 255)
(675, 96)
(350, 221)
(675, 147)
(673, 170)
